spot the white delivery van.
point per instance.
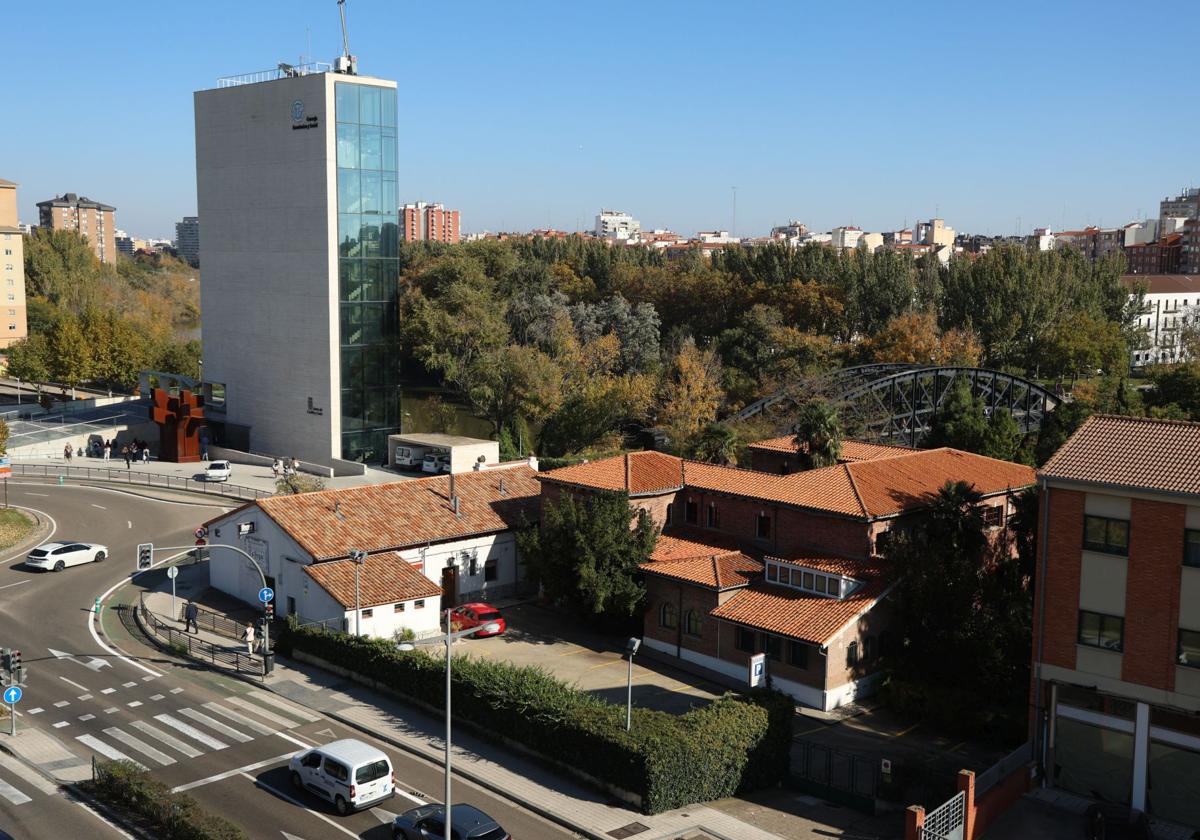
(349, 773)
(409, 457)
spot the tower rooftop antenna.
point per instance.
(345, 63)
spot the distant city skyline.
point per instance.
(540, 115)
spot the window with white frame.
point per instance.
(828, 584)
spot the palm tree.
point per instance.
(716, 444)
(818, 434)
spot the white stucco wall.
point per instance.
(500, 547)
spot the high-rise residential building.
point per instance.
(12, 268)
(614, 224)
(125, 243)
(296, 184)
(1116, 630)
(96, 222)
(187, 240)
(1186, 204)
(429, 222)
(1189, 258)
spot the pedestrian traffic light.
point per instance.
(270, 608)
(145, 556)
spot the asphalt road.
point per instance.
(223, 741)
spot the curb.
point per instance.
(75, 791)
(217, 499)
(37, 532)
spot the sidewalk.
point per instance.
(521, 779)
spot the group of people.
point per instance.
(191, 613)
(135, 450)
(286, 466)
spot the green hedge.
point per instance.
(130, 790)
(735, 744)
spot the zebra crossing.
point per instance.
(162, 735)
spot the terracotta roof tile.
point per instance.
(638, 473)
(713, 571)
(1164, 284)
(852, 450)
(856, 569)
(1135, 452)
(796, 614)
(678, 543)
(327, 524)
(383, 579)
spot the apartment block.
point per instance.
(13, 326)
(1186, 204)
(1116, 648)
(95, 221)
(187, 240)
(615, 224)
(422, 222)
(1161, 257)
(1170, 302)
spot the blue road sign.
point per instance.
(12, 695)
(266, 594)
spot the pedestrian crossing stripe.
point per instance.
(216, 725)
(166, 738)
(237, 717)
(12, 794)
(138, 744)
(105, 750)
(191, 731)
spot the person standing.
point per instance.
(127, 455)
(67, 452)
(190, 614)
(107, 450)
(248, 636)
(275, 467)
(145, 453)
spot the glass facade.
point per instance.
(368, 268)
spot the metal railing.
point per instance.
(198, 648)
(999, 771)
(142, 479)
(216, 622)
(947, 821)
(272, 75)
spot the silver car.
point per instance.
(56, 556)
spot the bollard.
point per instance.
(61, 481)
(96, 608)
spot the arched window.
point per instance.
(668, 616)
(692, 623)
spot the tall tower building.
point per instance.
(95, 221)
(296, 184)
(12, 268)
(433, 222)
(187, 240)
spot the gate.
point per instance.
(836, 776)
(947, 821)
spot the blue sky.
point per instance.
(537, 113)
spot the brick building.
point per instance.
(1116, 648)
(96, 222)
(1161, 257)
(786, 565)
(12, 268)
(429, 222)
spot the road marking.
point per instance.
(111, 651)
(955, 748)
(192, 732)
(47, 496)
(102, 507)
(47, 538)
(238, 717)
(85, 688)
(110, 710)
(129, 524)
(86, 718)
(168, 739)
(178, 690)
(606, 664)
(15, 796)
(216, 725)
(39, 710)
(258, 765)
(105, 750)
(300, 804)
(61, 724)
(131, 684)
(295, 741)
(139, 745)
(21, 770)
(111, 690)
(62, 703)
(159, 697)
(275, 702)
(18, 583)
(137, 703)
(899, 734)
(84, 697)
(112, 827)
(568, 653)
(147, 679)
(262, 713)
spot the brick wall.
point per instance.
(871, 626)
(1062, 569)
(779, 463)
(683, 597)
(1152, 593)
(813, 675)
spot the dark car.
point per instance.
(428, 823)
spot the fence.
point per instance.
(198, 648)
(217, 623)
(1002, 769)
(841, 777)
(134, 477)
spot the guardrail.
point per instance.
(198, 648)
(141, 479)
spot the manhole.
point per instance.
(628, 830)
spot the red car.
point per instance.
(477, 615)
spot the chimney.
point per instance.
(454, 501)
(502, 487)
(452, 496)
(626, 470)
(533, 462)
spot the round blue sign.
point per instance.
(12, 695)
(266, 594)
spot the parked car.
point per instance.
(349, 773)
(218, 471)
(436, 462)
(410, 457)
(428, 822)
(56, 556)
(478, 614)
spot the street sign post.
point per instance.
(266, 595)
(757, 676)
(12, 696)
(172, 573)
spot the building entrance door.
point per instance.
(449, 587)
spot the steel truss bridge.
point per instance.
(895, 403)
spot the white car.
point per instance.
(218, 471)
(56, 556)
(436, 462)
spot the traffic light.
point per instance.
(17, 672)
(6, 659)
(145, 556)
(270, 608)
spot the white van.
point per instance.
(349, 773)
(436, 461)
(409, 456)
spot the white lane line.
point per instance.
(159, 697)
(216, 725)
(84, 697)
(300, 804)
(147, 679)
(301, 744)
(237, 717)
(105, 750)
(17, 798)
(63, 723)
(137, 703)
(39, 710)
(111, 827)
(273, 701)
(110, 710)
(22, 583)
(86, 718)
(111, 690)
(192, 732)
(102, 507)
(258, 765)
(178, 690)
(262, 713)
(91, 622)
(131, 684)
(168, 739)
(62, 703)
(21, 770)
(85, 688)
(47, 495)
(129, 524)
(139, 745)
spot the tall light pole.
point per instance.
(359, 557)
(448, 640)
(631, 647)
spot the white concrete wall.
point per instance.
(383, 621)
(500, 547)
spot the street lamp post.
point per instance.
(631, 647)
(359, 557)
(449, 639)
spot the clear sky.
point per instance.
(539, 112)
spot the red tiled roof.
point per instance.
(327, 524)
(638, 473)
(855, 569)
(796, 614)
(1135, 452)
(383, 579)
(1164, 284)
(852, 450)
(682, 542)
(728, 570)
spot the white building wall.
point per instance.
(384, 622)
(1163, 317)
(502, 548)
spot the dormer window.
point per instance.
(827, 584)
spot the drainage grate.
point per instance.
(628, 830)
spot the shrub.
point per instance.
(737, 743)
(127, 788)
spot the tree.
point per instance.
(717, 444)
(29, 358)
(1059, 425)
(960, 421)
(71, 355)
(914, 338)
(691, 394)
(1176, 385)
(4, 431)
(182, 357)
(297, 483)
(818, 434)
(587, 552)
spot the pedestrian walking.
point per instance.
(295, 465)
(67, 452)
(146, 453)
(190, 614)
(107, 449)
(248, 636)
(276, 466)
(127, 455)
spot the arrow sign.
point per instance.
(12, 695)
(58, 654)
(266, 594)
(94, 663)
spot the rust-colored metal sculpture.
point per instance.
(180, 420)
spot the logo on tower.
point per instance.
(302, 119)
(298, 110)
